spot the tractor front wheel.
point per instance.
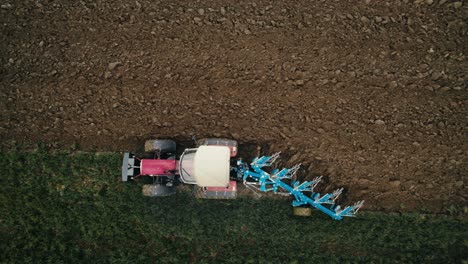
(160, 145)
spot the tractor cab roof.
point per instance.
(208, 167)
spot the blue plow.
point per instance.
(255, 178)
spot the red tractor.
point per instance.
(211, 168)
(208, 166)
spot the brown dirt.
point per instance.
(373, 94)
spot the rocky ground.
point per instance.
(372, 94)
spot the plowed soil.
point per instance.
(372, 94)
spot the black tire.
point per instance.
(198, 192)
(231, 143)
(157, 190)
(160, 145)
(216, 142)
(302, 211)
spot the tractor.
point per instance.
(213, 170)
(208, 167)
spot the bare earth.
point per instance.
(372, 94)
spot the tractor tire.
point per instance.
(231, 143)
(302, 211)
(158, 190)
(216, 142)
(160, 145)
(198, 192)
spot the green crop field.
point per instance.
(62, 207)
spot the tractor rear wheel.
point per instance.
(157, 190)
(160, 145)
(198, 192)
(302, 211)
(216, 142)
(232, 144)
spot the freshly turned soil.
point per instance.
(371, 94)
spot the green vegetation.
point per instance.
(59, 207)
